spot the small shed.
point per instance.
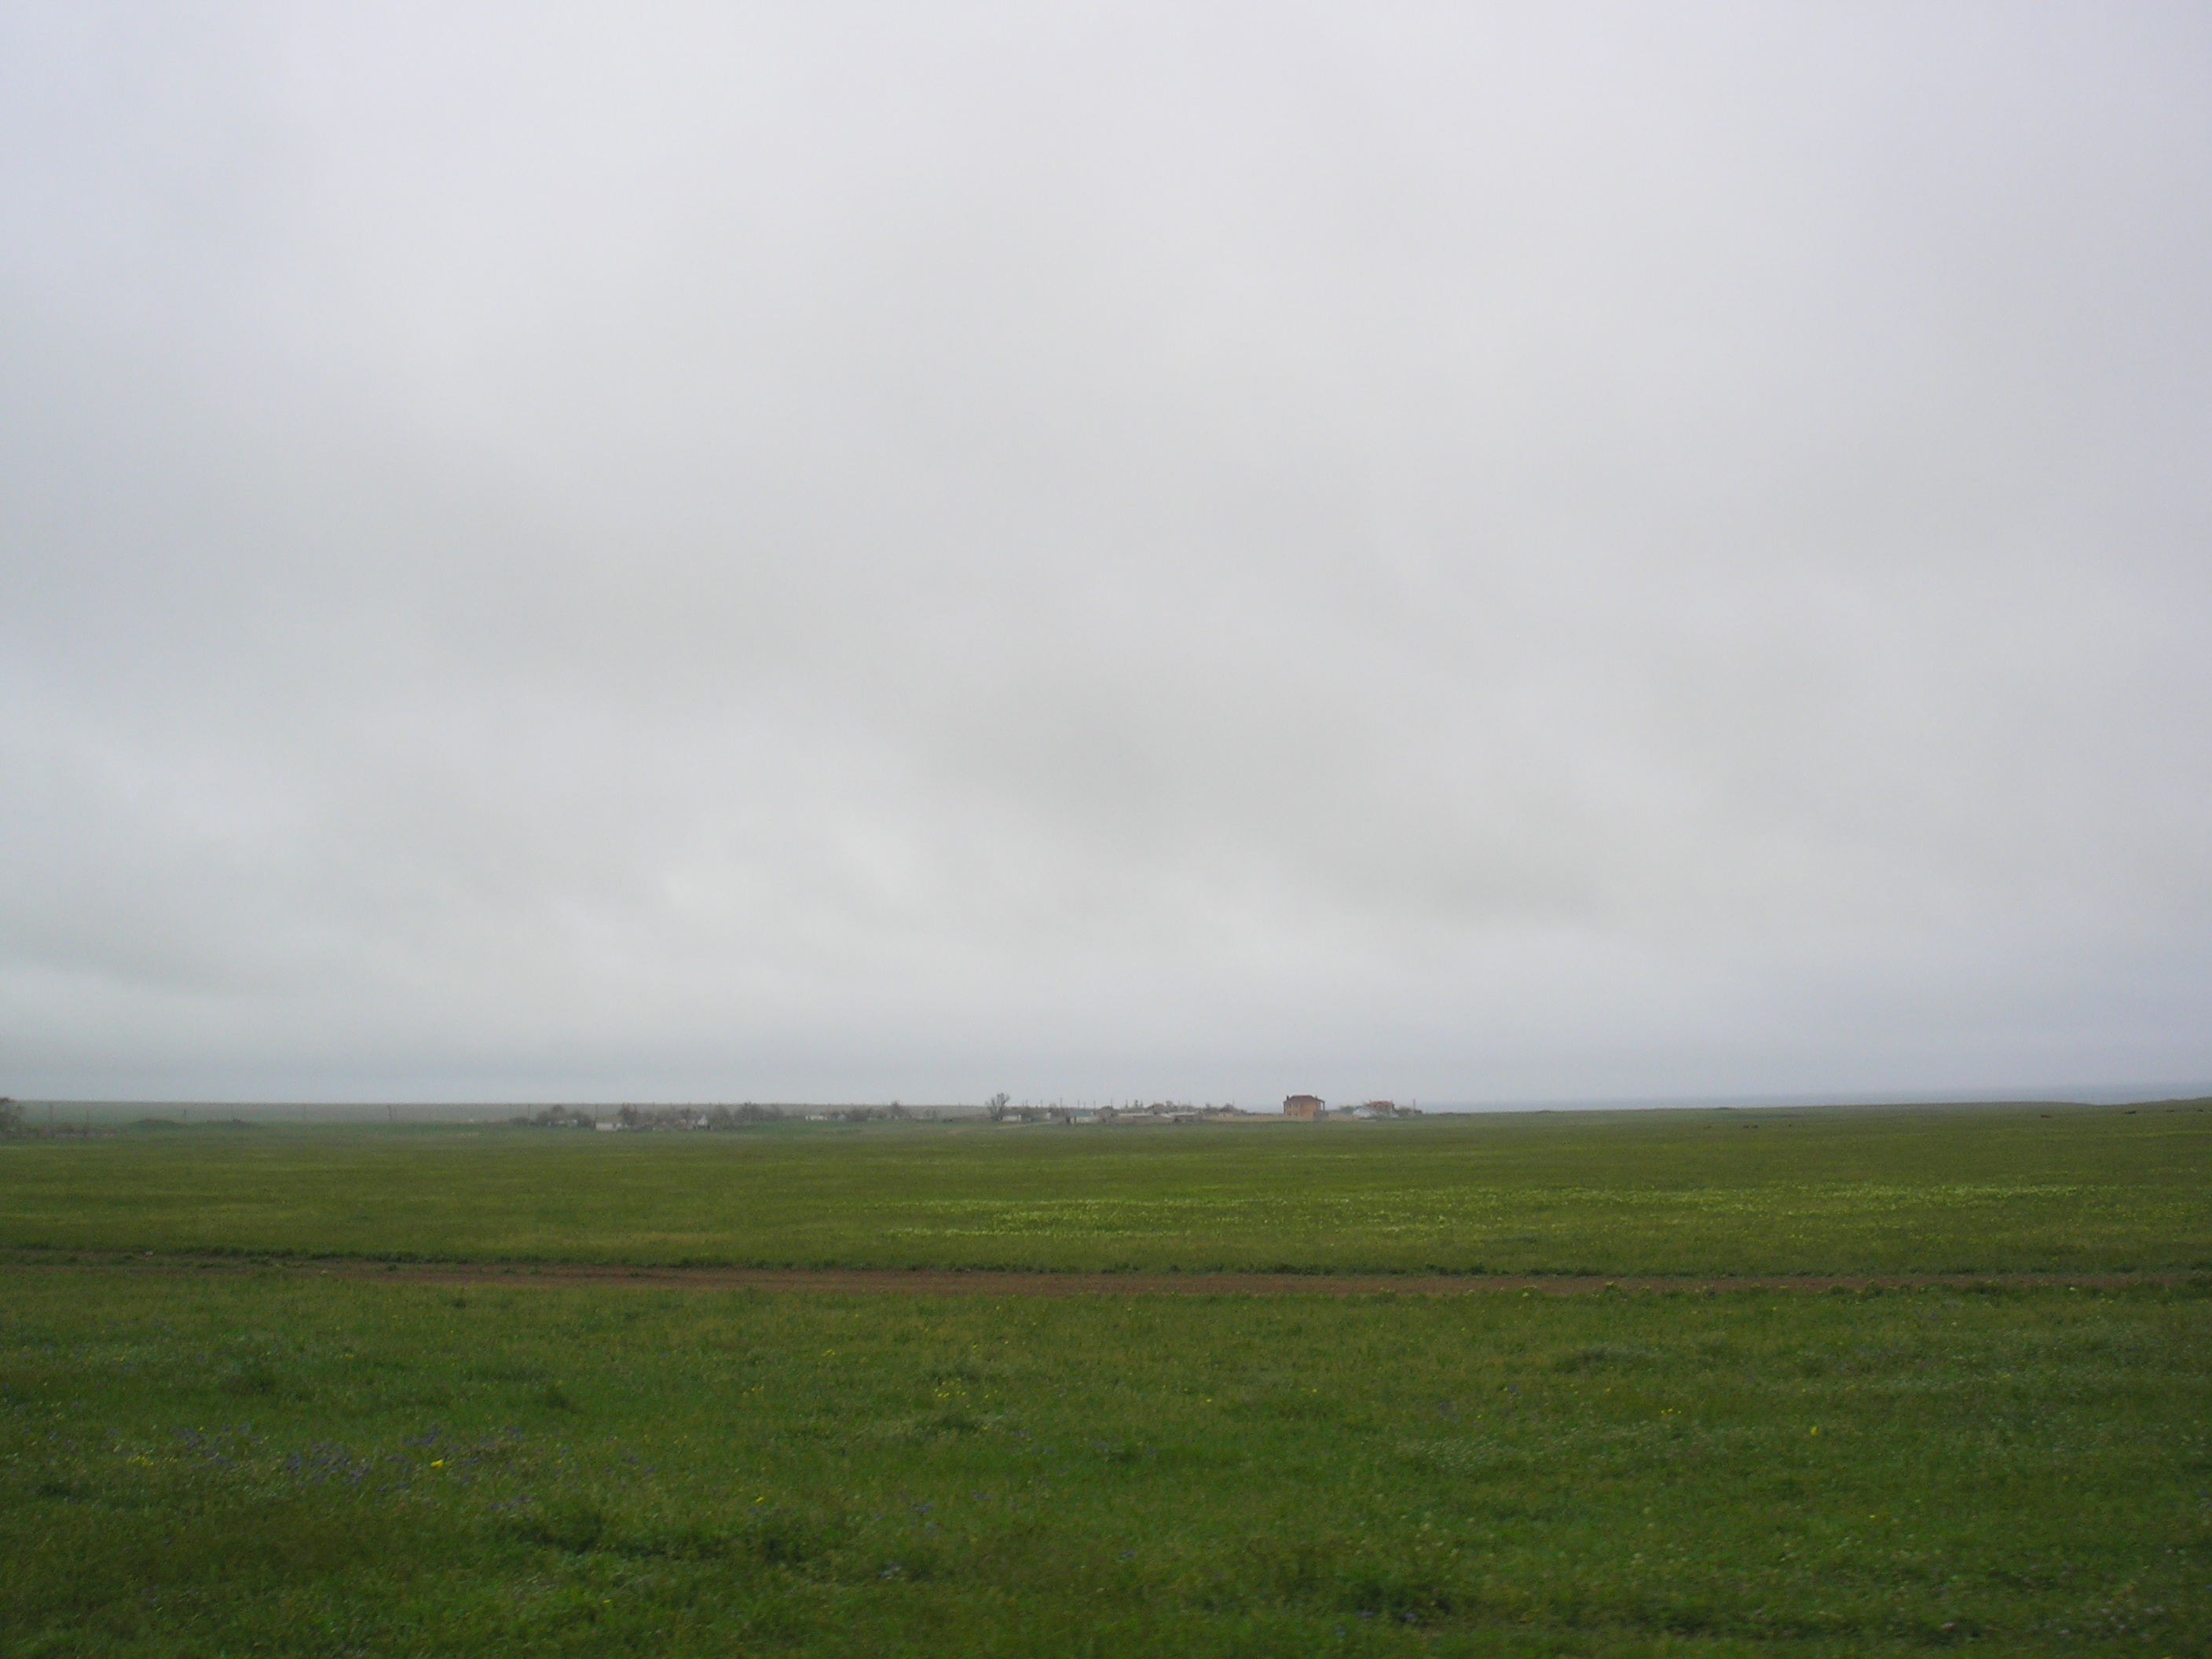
(1308, 1107)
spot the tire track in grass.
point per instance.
(952, 1281)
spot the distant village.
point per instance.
(1000, 1109)
(1297, 1108)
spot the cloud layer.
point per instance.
(833, 552)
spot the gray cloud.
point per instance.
(836, 552)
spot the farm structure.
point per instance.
(1309, 1108)
(1130, 1112)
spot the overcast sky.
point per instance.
(835, 552)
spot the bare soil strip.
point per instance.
(947, 1281)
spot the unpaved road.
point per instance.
(938, 1281)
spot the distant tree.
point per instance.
(552, 1117)
(11, 1115)
(995, 1108)
(558, 1117)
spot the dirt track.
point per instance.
(988, 1282)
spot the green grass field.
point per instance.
(274, 1464)
(275, 1459)
(1723, 1192)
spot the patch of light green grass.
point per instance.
(1812, 1191)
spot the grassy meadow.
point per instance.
(1931, 1190)
(275, 1462)
(275, 1459)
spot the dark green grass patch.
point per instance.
(285, 1463)
(1926, 1190)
